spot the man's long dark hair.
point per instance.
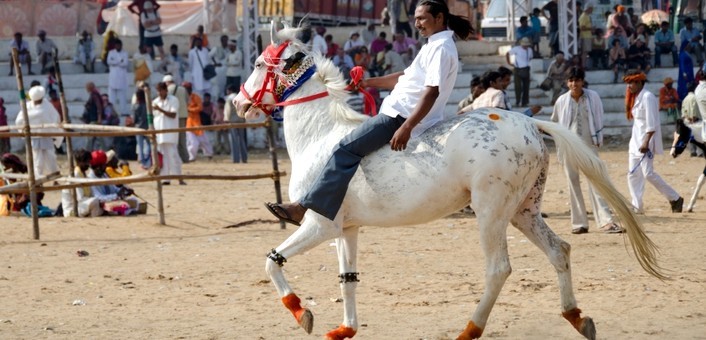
(460, 25)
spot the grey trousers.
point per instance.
(327, 193)
(238, 146)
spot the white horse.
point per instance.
(682, 136)
(494, 158)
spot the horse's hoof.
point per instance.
(303, 316)
(306, 320)
(588, 328)
(341, 333)
(471, 332)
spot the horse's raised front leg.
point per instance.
(347, 248)
(530, 222)
(315, 230)
(492, 225)
(699, 185)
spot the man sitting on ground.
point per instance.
(114, 200)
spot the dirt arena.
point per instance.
(200, 278)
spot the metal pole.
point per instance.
(155, 157)
(28, 143)
(275, 166)
(66, 120)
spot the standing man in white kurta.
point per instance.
(165, 108)
(645, 142)
(581, 111)
(41, 112)
(198, 59)
(117, 78)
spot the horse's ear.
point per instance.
(273, 33)
(286, 24)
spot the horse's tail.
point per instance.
(573, 151)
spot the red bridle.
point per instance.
(273, 58)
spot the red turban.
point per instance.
(98, 157)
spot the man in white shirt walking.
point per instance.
(645, 142)
(581, 111)
(522, 54)
(117, 78)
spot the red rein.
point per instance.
(357, 73)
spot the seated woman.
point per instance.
(18, 202)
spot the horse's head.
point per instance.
(262, 91)
(682, 136)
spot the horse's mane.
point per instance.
(327, 73)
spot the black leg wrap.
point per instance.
(348, 277)
(277, 257)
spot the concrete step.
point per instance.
(67, 67)
(71, 80)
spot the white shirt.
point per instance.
(492, 97)
(645, 114)
(435, 65)
(234, 63)
(394, 60)
(523, 56)
(118, 61)
(198, 81)
(153, 30)
(44, 113)
(179, 92)
(562, 113)
(319, 44)
(162, 122)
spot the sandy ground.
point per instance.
(196, 278)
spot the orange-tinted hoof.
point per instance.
(585, 326)
(340, 333)
(303, 315)
(471, 332)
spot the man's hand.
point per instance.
(401, 137)
(644, 148)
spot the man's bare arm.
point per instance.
(386, 82)
(402, 135)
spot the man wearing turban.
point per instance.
(40, 111)
(642, 108)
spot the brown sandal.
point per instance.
(281, 213)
